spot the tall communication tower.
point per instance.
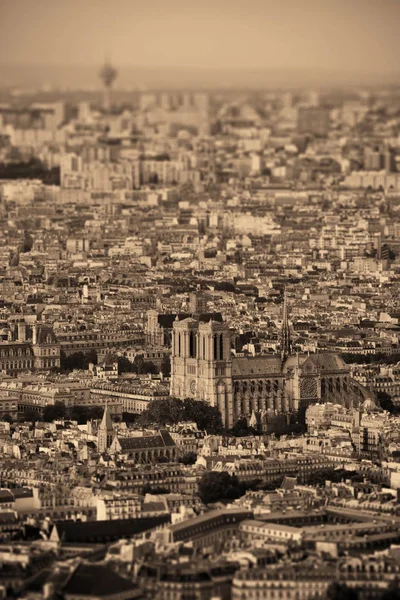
(107, 74)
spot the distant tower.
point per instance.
(108, 75)
(105, 433)
(286, 344)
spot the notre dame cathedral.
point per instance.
(203, 367)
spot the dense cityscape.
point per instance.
(199, 341)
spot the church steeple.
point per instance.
(286, 343)
(105, 433)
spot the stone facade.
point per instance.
(40, 351)
(202, 367)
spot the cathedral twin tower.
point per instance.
(201, 364)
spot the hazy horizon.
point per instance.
(345, 34)
(225, 38)
(150, 78)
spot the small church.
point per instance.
(105, 433)
(140, 448)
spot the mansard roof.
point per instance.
(97, 580)
(99, 531)
(167, 320)
(45, 335)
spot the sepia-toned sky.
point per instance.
(359, 35)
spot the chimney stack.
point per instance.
(22, 331)
(34, 334)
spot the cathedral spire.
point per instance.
(286, 344)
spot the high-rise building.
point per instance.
(287, 100)
(315, 121)
(313, 98)
(389, 160)
(373, 159)
(201, 101)
(83, 111)
(197, 303)
(257, 163)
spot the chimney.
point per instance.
(48, 590)
(22, 331)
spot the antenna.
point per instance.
(286, 344)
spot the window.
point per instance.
(192, 344)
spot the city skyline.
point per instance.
(199, 300)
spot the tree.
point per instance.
(33, 169)
(391, 594)
(385, 359)
(96, 412)
(128, 417)
(162, 412)
(340, 591)
(142, 366)
(7, 418)
(386, 402)
(90, 357)
(82, 414)
(173, 410)
(278, 425)
(125, 365)
(215, 486)
(150, 367)
(393, 591)
(270, 486)
(238, 257)
(53, 412)
(27, 243)
(31, 415)
(78, 360)
(153, 178)
(162, 459)
(148, 489)
(166, 366)
(335, 475)
(242, 429)
(189, 458)
(207, 418)
(186, 190)
(224, 286)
